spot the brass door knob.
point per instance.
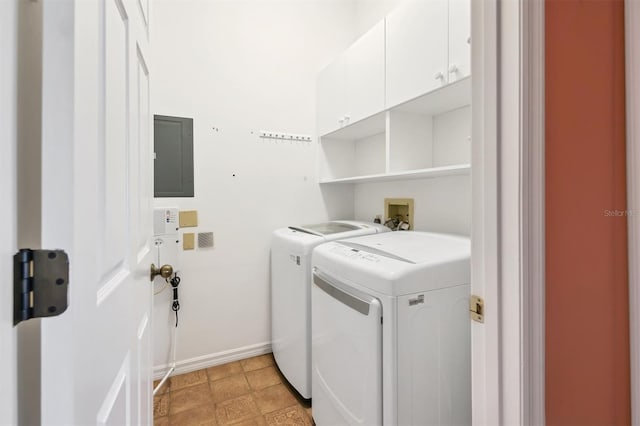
(165, 271)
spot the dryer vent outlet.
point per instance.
(205, 239)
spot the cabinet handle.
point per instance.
(469, 40)
(453, 68)
(347, 118)
(439, 75)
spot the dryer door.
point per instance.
(346, 354)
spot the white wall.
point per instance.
(440, 205)
(242, 66)
(369, 12)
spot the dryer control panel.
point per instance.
(354, 253)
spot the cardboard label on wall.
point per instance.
(188, 241)
(188, 218)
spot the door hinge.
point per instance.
(476, 308)
(40, 283)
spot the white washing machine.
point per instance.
(390, 330)
(291, 293)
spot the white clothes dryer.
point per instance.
(390, 330)
(291, 293)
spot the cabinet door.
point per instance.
(331, 96)
(459, 39)
(365, 75)
(416, 49)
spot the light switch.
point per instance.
(188, 241)
(188, 218)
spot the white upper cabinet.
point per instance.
(352, 86)
(365, 75)
(396, 104)
(417, 49)
(428, 45)
(459, 39)
(332, 96)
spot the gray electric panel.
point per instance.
(173, 165)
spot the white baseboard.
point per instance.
(211, 360)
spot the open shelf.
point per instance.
(353, 157)
(422, 141)
(426, 137)
(432, 172)
(446, 98)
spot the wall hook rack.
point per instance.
(264, 134)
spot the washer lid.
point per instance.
(326, 228)
(413, 247)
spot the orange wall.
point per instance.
(587, 343)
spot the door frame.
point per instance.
(508, 211)
(533, 212)
(8, 217)
(632, 59)
(489, 235)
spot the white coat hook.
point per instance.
(283, 136)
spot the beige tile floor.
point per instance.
(247, 392)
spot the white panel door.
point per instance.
(96, 204)
(459, 39)
(332, 96)
(416, 49)
(8, 148)
(365, 75)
